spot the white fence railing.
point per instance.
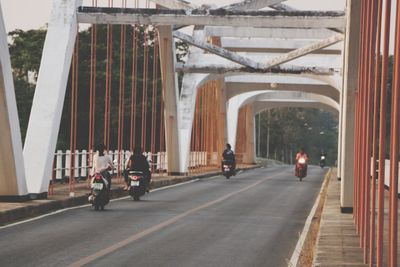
(83, 161)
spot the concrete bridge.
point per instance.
(256, 55)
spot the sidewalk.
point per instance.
(338, 243)
(60, 198)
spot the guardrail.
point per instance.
(158, 161)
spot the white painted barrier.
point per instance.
(387, 174)
(84, 159)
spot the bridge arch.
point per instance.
(235, 103)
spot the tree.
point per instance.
(25, 53)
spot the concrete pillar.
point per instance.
(350, 76)
(339, 153)
(44, 121)
(250, 127)
(223, 133)
(167, 58)
(12, 174)
(187, 100)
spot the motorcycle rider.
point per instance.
(102, 164)
(322, 160)
(138, 162)
(229, 155)
(301, 154)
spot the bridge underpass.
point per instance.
(239, 46)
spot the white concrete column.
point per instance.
(44, 122)
(170, 79)
(350, 75)
(187, 101)
(12, 174)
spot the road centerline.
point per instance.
(162, 225)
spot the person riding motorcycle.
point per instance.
(322, 161)
(229, 155)
(301, 155)
(138, 162)
(101, 164)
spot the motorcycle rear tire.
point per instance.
(136, 198)
(96, 207)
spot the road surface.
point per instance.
(252, 219)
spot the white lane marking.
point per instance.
(88, 205)
(162, 225)
(299, 246)
(113, 200)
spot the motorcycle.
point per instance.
(227, 168)
(99, 196)
(137, 184)
(322, 162)
(301, 168)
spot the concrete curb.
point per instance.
(33, 210)
(303, 236)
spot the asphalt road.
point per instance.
(253, 219)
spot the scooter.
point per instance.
(301, 168)
(99, 196)
(227, 168)
(137, 184)
(322, 162)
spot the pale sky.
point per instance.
(33, 14)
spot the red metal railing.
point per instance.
(370, 133)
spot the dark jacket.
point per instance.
(139, 163)
(228, 155)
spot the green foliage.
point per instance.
(293, 128)
(25, 53)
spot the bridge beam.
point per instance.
(231, 68)
(12, 173)
(169, 78)
(200, 17)
(303, 51)
(44, 121)
(278, 33)
(174, 4)
(218, 51)
(252, 4)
